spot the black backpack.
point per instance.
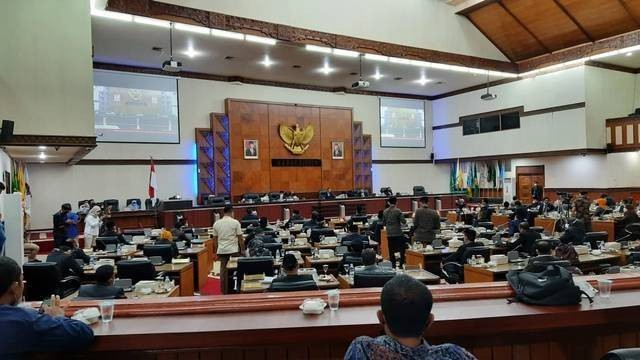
(553, 286)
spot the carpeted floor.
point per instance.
(212, 287)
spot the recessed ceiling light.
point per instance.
(151, 21)
(227, 34)
(260, 39)
(322, 49)
(423, 80)
(267, 61)
(347, 53)
(42, 156)
(376, 57)
(628, 54)
(192, 28)
(326, 69)
(377, 75)
(191, 52)
(42, 147)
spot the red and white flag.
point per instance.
(153, 182)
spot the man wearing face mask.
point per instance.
(24, 330)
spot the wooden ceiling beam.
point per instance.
(626, 9)
(525, 27)
(573, 19)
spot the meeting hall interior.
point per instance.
(288, 179)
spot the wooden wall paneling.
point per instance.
(221, 153)
(204, 162)
(249, 121)
(366, 172)
(297, 179)
(336, 125)
(600, 18)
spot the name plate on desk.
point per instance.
(296, 162)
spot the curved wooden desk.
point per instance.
(261, 326)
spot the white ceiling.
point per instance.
(130, 43)
(31, 154)
(630, 60)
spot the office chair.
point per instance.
(251, 197)
(283, 286)
(44, 279)
(136, 270)
(359, 219)
(542, 266)
(246, 223)
(274, 196)
(418, 190)
(215, 201)
(266, 238)
(273, 247)
(487, 235)
(486, 224)
(355, 260)
(254, 265)
(133, 232)
(114, 203)
(149, 205)
(316, 233)
(622, 354)
(592, 238)
(162, 250)
(453, 272)
(323, 195)
(634, 233)
(386, 191)
(372, 279)
(538, 229)
(103, 241)
(137, 200)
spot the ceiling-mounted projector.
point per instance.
(360, 84)
(488, 96)
(172, 65)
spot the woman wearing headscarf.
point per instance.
(92, 223)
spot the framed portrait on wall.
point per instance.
(337, 150)
(251, 150)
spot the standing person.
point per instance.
(426, 222)
(24, 330)
(227, 234)
(536, 191)
(72, 229)
(60, 225)
(393, 219)
(581, 210)
(92, 224)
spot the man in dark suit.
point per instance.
(546, 206)
(574, 234)
(369, 262)
(469, 242)
(103, 288)
(337, 150)
(290, 271)
(354, 256)
(426, 221)
(313, 223)
(543, 249)
(393, 219)
(251, 150)
(60, 225)
(112, 231)
(252, 214)
(65, 262)
(536, 191)
(526, 240)
(354, 235)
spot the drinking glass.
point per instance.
(346, 269)
(604, 288)
(334, 299)
(325, 268)
(106, 310)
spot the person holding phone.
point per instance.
(25, 330)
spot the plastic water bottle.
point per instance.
(277, 255)
(167, 283)
(352, 270)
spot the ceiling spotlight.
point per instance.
(628, 54)
(267, 61)
(326, 69)
(191, 52)
(42, 156)
(42, 147)
(423, 80)
(377, 75)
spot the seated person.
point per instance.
(369, 262)
(262, 228)
(574, 234)
(514, 200)
(484, 214)
(359, 213)
(24, 330)
(256, 248)
(568, 252)
(602, 201)
(630, 217)
(469, 241)
(252, 214)
(599, 211)
(526, 240)
(328, 195)
(505, 208)
(110, 229)
(354, 234)
(460, 204)
(543, 249)
(31, 252)
(295, 216)
(377, 226)
(166, 237)
(314, 223)
(181, 221)
(514, 225)
(103, 288)
(546, 206)
(355, 251)
(65, 261)
(405, 316)
(290, 271)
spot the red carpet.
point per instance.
(212, 287)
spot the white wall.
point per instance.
(45, 57)
(609, 94)
(403, 177)
(545, 132)
(430, 24)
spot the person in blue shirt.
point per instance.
(72, 228)
(3, 237)
(405, 315)
(24, 330)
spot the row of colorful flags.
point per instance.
(474, 175)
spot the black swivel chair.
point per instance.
(355, 260)
(359, 219)
(538, 229)
(487, 234)
(246, 223)
(454, 272)
(215, 201)
(418, 190)
(273, 247)
(371, 279)
(44, 279)
(486, 224)
(622, 354)
(114, 203)
(251, 197)
(162, 250)
(274, 196)
(136, 270)
(254, 265)
(316, 233)
(137, 200)
(592, 238)
(103, 241)
(283, 286)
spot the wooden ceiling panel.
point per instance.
(633, 7)
(547, 22)
(506, 32)
(600, 18)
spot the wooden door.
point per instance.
(524, 188)
(526, 176)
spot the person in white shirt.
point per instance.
(92, 223)
(227, 233)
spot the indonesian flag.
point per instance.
(153, 182)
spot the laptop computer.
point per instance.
(125, 284)
(111, 247)
(341, 250)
